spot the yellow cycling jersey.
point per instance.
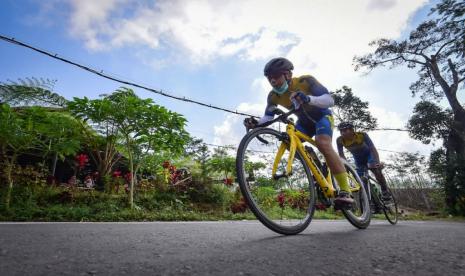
(360, 145)
(309, 86)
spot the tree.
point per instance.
(436, 49)
(222, 162)
(16, 137)
(34, 130)
(200, 153)
(61, 134)
(251, 167)
(406, 163)
(142, 126)
(350, 108)
(429, 122)
(31, 91)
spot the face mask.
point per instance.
(281, 89)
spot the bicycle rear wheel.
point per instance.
(360, 213)
(285, 205)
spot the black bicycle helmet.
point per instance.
(345, 125)
(277, 65)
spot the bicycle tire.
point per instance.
(389, 209)
(361, 204)
(247, 188)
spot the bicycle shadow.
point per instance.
(344, 230)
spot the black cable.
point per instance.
(102, 74)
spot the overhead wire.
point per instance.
(101, 73)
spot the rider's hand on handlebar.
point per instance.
(377, 165)
(250, 122)
(299, 98)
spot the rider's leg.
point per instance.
(324, 145)
(324, 133)
(361, 166)
(373, 166)
(380, 178)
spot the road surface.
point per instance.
(327, 247)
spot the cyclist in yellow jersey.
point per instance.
(364, 152)
(312, 101)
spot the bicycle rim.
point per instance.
(390, 209)
(360, 213)
(286, 205)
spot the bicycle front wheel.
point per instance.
(389, 207)
(285, 205)
(360, 213)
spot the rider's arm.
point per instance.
(323, 101)
(320, 95)
(372, 147)
(264, 119)
(340, 148)
(269, 114)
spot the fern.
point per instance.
(31, 91)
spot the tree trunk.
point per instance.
(454, 143)
(54, 166)
(8, 170)
(131, 168)
(454, 158)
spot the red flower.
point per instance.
(228, 181)
(82, 160)
(116, 174)
(281, 199)
(166, 164)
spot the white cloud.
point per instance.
(394, 140)
(381, 4)
(90, 20)
(321, 37)
(231, 130)
(316, 34)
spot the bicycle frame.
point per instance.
(295, 143)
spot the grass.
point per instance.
(57, 204)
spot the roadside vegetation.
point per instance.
(120, 157)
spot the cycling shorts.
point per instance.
(363, 162)
(323, 126)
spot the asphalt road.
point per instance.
(231, 248)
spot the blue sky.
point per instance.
(214, 52)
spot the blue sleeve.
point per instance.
(368, 141)
(269, 109)
(316, 87)
(269, 106)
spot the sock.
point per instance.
(343, 181)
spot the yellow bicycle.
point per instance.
(277, 176)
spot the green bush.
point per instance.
(266, 196)
(218, 194)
